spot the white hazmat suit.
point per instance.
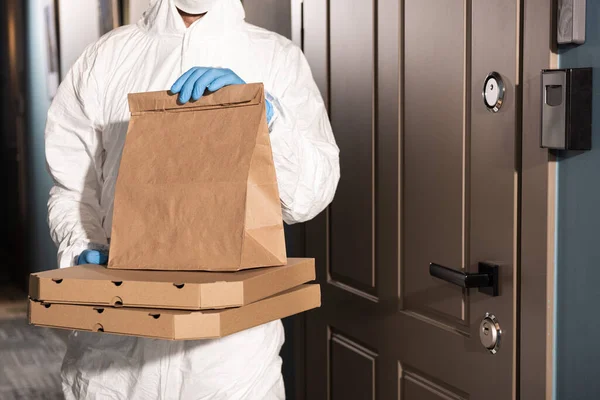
(85, 133)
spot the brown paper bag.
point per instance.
(197, 188)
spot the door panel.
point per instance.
(434, 147)
(348, 356)
(428, 175)
(414, 385)
(351, 112)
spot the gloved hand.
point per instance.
(270, 112)
(197, 80)
(194, 82)
(92, 257)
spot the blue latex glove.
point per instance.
(197, 80)
(269, 111)
(92, 257)
(193, 84)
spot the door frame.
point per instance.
(534, 279)
(538, 202)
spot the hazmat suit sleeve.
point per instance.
(74, 154)
(305, 154)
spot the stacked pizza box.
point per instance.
(197, 246)
(175, 305)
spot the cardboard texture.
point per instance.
(197, 188)
(175, 324)
(97, 285)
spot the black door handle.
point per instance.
(486, 279)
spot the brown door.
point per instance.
(429, 175)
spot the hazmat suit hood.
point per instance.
(223, 16)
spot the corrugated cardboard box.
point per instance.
(197, 188)
(175, 324)
(97, 285)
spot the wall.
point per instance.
(41, 252)
(136, 10)
(78, 27)
(12, 211)
(578, 242)
(274, 15)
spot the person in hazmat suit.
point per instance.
(186, 46)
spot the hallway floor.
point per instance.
(30, 357)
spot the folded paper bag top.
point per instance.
(197, 188)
